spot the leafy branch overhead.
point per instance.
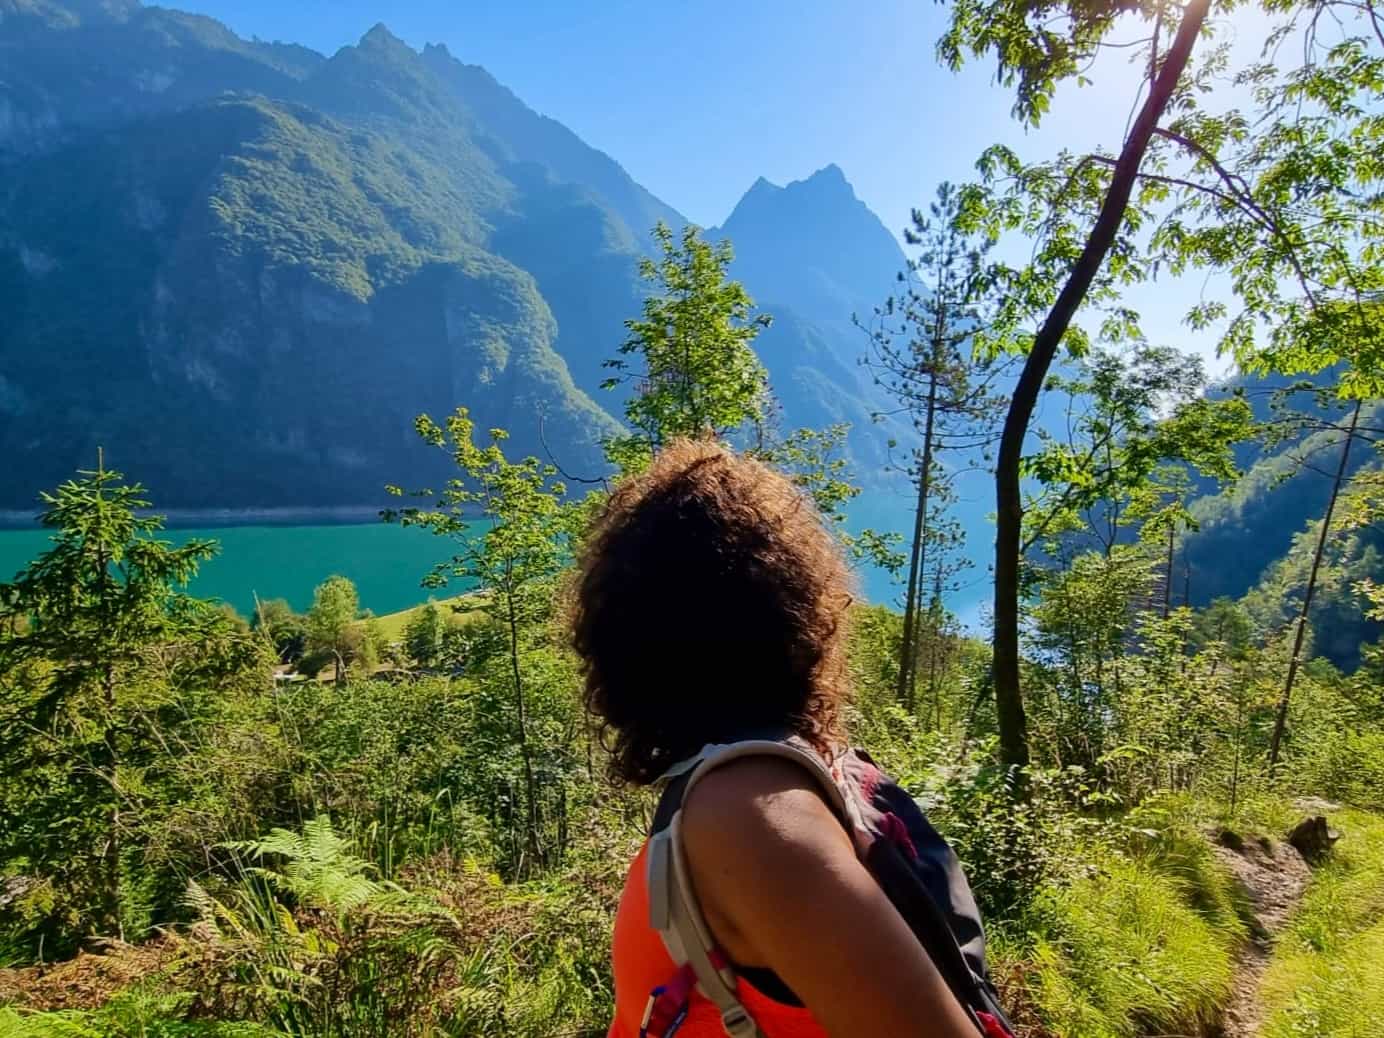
(1134, 428)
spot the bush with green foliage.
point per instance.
(107, 673)
(425, 637)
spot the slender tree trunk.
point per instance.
(910, 601)
(933, 697)
(1281, 720)
(1078, 687)
(1009, 705)
(1239, 741)
(113, 838)
(940, 659)
(933, 691)
(1168, 576)
(109, 742)
(530, 787)
(920, 548)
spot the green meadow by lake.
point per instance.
(386, 562)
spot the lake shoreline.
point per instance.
(184, 518)
(260, 560)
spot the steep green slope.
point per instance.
(271, 289)
(71, 65)
(1338, 625)
(256, 275)
(514, 134)
(1246, 529)
(1256, 540)
(231, 257)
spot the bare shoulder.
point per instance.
(780, 885)
(758, 806)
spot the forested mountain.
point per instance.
(244, 267)
(1256, 540)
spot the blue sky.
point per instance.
(698, 99)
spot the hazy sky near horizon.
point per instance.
(697, 100)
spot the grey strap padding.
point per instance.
(713, 757)
(673, 908)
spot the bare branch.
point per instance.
(600, 481)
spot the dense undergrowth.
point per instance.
(363, 859)
(193, 842)
(1132, 927)
(396, 919)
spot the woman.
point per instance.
(711, 607)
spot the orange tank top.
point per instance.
(641, 963)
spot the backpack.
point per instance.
(909, 859)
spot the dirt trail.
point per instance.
(1275, 876)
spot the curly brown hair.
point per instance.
(710, 603)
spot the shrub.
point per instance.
(1346, 766)
(310, 942)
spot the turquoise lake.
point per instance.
(387, 562)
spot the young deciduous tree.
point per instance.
(1077, 212)
(1134, 427)
(284, 628)
(331, 623)
(425, 634)
(689, 355)
(1080, 623)
(512, 532)
(1295, 659)
(1286, 198)
(1282, 194)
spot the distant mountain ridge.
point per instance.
(813, 254)
(779, 231)
(243, 267)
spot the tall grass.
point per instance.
(1143, 943)
(1327, 975)
(136, 1013)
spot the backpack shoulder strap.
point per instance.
(673, 908)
